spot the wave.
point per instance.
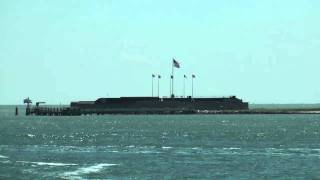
(148, 152)
(166, 147)
(304, 150)
(237, 151)
(231, 148)
(269, 151)
(31, 135)
(48, 163)
(5, 162)
(196, 148)
(86, 170)
(3, 157)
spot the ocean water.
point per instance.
(159, 146)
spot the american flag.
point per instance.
(175, 63)
(27, 100)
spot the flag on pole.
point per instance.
(27, 100)
(175, 63)
(193, 76)
(171, 77)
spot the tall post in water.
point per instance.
(28, 102)
(17, 111)
(152, 83)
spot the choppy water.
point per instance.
(159, 147)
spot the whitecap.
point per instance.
(5, 162)
(195, 148)
(48, 163)
(149, 152)
(31, 135)
(3, 157)
(87, 170)
(183, 152)
(166, 147)
(260, 134)
(231, 148)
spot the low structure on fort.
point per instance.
(143, 105)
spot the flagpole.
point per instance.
(158, 85)
(172, 91)
(184, 86)
(152, 84)
(170, 85)
(193, 76)
(192, 87)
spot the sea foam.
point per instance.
(86, 170)
(48, 163)
(3, 157)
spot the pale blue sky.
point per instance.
(263, 51)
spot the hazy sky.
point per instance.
(263, 51)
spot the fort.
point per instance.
(159, 105)
(144, 105)
(155, 105)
